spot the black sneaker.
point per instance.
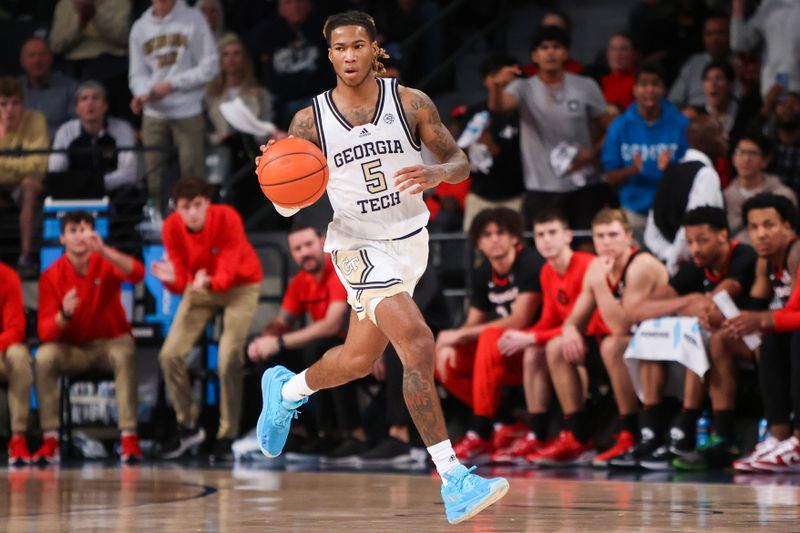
(717, 453)
(312, 450)
(347, 453)
(662, 458)
(222, 451)
(388, 451)
(179, 444)
(632, 458)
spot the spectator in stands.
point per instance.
(617, 85)
(750, 158)
(616, 282)
(21, 175)
(688, 184)
(235, 80)
(640, 143)
(47, 91)
(687, 90)
(559, 19)
(505, 294)
(172, 57)
(92, 37)
(771, 220)
(784, 128)
(92, 139)
(214, 15)
(318, 292)
(561, 279)
(83, 326)
(15, 363)
(292, 54)
(562, 117)
(717, 264)
(736, 115)
(208, 260)
(492, 143)
(773, 25)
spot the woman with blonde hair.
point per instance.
(235, 79)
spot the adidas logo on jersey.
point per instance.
(364, 133)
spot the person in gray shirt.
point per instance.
(47, 91)
(563, 118)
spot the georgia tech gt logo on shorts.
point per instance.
(350, 265)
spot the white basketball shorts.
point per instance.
(373, 270)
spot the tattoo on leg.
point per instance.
(423, 404)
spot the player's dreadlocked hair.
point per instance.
(357, 18)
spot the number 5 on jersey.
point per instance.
(375, 179)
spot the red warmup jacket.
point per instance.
(788, 318)
(221, 248)
(559, 295)
(12, 312)
(99, 314)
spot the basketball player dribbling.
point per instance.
(371, 130)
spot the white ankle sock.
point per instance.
(296, 388)
(444, 458)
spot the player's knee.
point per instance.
(534, 359)
(553, 352)
(613, 348)
(169, 359)
(47, 357)
(418, 352)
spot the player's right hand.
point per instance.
(573, 348)
(272, 140)
(446, 359)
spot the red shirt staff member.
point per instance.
(15, 362)
(209, 260)
(82, 325)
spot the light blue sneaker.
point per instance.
(276, 414)
(466, 494)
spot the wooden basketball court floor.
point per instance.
(166, 498)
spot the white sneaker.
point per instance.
(784, 459)
(762, 449)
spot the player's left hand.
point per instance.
(263, 348)
(418, 178)
(599, 269)
(201, 280)
(513, 341)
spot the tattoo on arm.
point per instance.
(303, 125)
(424, 119)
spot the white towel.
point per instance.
(679, 341)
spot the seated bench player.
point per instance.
(619, 279)
(505, 294)
(83, 326)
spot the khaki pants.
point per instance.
(195, 310)
(474, 204)
(186, 134)
(55, 359)
(16, 370)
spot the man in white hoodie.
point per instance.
(172, 57)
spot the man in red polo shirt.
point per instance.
(82, 325)
(208, 260)
(15, 362)
(317, 291)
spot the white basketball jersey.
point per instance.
(362, 161)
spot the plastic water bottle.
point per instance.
(763, 429)
(703, 424)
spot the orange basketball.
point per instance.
(293, 172)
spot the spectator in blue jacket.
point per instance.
(641, 142)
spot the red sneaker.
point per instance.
(784, 459)
(519, 449)
(565, 450)
(473, 449)
(625, 443)
(18, 453)
(129, 449)
(506, 434)
(49, 452)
